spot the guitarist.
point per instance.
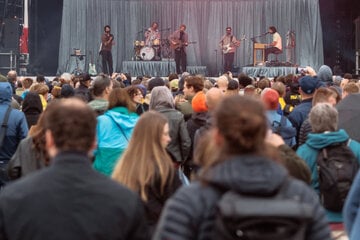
(179, 40)
(228, 45)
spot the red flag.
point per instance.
(25, 33)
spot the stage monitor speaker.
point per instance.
(357, 33)
(11, 34)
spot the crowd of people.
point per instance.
(180, 157)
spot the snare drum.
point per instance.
(156, 42)
(147, 53)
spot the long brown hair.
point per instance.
(145, 161)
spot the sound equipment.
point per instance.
(357, 33)
(11, 33)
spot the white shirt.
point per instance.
(277, 39)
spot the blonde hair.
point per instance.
(145, 162)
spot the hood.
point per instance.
(325, 73)
(32, 103)
(321, 140)
(161, 97)
(123, 117)
(5, 93)
(248, 174)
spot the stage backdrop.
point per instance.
(206, 20)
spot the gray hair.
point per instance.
(323, 117)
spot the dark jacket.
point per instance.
(300, 113)
(305, 129)
(180, 144)
(25, 160)
(17, 126)
(190, 213)
(69, 200)
(156, 200)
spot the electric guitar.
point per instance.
(176, 44)
(230, 46)
(92, 67)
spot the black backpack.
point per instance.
(287, 132)
(276, 217)
(337, 167)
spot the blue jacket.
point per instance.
(300, 113)
(111, 141)
(310, 150)
(273, 115)
(351, 210)
(17, 125)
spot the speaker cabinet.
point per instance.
(11, 33)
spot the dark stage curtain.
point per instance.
(206, 20)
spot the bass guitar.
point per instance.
(230, 46)
(176, 44)
(92, 67)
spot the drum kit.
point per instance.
(151, 52)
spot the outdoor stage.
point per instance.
(268, 71)
(157, 68)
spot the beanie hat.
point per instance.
(308, 84)
(270, 98)
(142, 89)
(155, 82)
(198, 102)
(174, 84)
(67, 91)
(325, 74)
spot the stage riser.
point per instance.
(268, 71)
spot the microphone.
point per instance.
(265, 33)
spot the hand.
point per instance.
(274, 139)
(310, 71)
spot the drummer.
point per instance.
(152, 35)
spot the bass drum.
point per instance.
(147, 53)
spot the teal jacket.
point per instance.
(111, 142)
(309, 152)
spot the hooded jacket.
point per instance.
(114, 130)
(325, 74)
(180, 144)
(310, 150)
(17, 127)
(190, 213)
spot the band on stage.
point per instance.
(152, 47)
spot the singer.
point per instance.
(276, 46)
(105, 51)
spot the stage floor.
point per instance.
(268, 71)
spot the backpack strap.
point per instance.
(283, 121)
(4, 125)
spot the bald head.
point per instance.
(12, 75)
(213, 97)
(223, 83)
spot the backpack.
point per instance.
(337, 167)
(288, 133)
(248, 217)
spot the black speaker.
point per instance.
(11, 34)
(357, 33)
